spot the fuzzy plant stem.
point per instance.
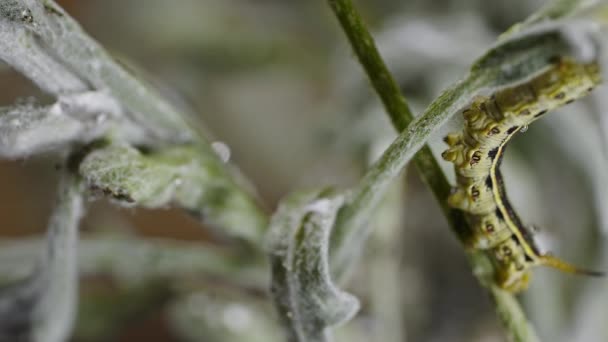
(398, 110)
(56, 310)
(394, 102)
(42, 308)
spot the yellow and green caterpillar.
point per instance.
(490, 123)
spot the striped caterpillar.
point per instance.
(477, 152)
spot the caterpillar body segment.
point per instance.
(476, 152)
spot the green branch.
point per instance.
(396, 107)
(42, 307)
(367, 53)
(519, 57)
(369, 193)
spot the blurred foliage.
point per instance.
(276, 83)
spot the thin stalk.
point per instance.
(366, 196)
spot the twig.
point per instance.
(355, 213)
(27, 129)
(377, 180)
(394, 102)
(363, 44)
(524, 54)
(43, 307)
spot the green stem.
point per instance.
(367, 53)
(351, 220)
(368, 193)
(55, 311)
(41, 307)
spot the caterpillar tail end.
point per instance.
(553, 262)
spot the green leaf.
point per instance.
(188, 176)
(307, 299)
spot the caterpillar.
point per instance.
(476, 152)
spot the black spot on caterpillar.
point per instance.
(499, 215)
(490, 123)
(489, 183)
(492, 153)
(512, 129)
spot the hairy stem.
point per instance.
(369, 56)
(372, 187)
(42, 307)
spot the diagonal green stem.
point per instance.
(367, 53)
(398, 110)
(389, 92)
(372, 187)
